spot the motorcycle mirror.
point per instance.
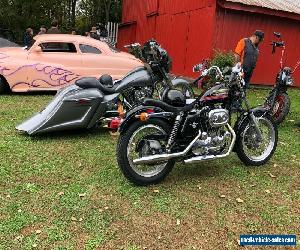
(198, 67)
(277, 34)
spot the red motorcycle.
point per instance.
(278, 101)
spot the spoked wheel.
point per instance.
(250, 149)
(281, 107)
(140, 140)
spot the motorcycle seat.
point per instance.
(165, 106)
(92, 82)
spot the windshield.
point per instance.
(113, 49)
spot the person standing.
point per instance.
(43, 30)
(102, 30)
(93, 33)
(246, 54)
(28, 37)
(54, 28)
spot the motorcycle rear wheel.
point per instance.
(142, 175)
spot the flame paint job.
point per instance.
(31, 70)
(53, 76)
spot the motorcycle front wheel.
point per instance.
(134, 144)
(249, 148)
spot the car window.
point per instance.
(89, 49)
(58, 47)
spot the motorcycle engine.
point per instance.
(215, 138)
(134, 96)
(213, 142)
(218, 117)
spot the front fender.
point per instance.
(130, 116)
(245, 116)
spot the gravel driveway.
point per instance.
(7, 43)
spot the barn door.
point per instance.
(127, 35)
(199, 40)
(172, 32)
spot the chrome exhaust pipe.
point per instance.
(210, 157)
(164, 157)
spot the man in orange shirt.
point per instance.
(246, 53)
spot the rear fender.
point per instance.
(102, 109)
(71, 108)
(131, 116)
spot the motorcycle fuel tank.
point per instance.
(71, 108)
(216, 93)
(139, 77)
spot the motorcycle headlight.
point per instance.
(289, 81)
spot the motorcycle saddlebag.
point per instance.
(71, 108)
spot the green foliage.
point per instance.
(17, 15)
(223, 59)
(41, 178)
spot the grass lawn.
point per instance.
(65, 191)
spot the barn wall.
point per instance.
(233, 25)
(141, 14)
(173, 24)
(191, 29)
(127, 35)
(180, 6)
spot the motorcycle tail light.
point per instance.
(115, 123)
(149, 111)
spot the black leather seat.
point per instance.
(157, 103)
(92, 82)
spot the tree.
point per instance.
(18, 15)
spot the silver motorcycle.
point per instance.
(91, 102)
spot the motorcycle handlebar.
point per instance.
(216, 68)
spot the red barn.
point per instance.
(191, 29)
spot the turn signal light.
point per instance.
(121, 110)
(144, 116)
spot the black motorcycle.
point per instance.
(156, 57)
(278, 101)
(158, 133)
